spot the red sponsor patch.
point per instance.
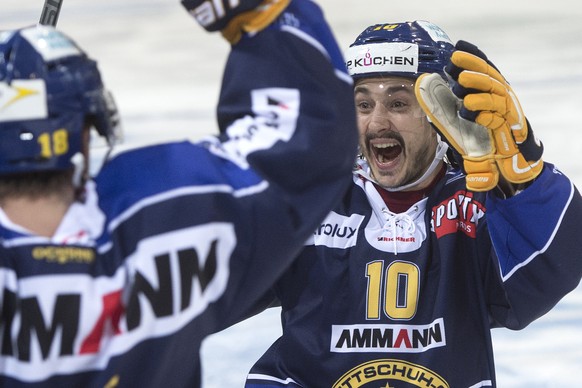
(460, 212)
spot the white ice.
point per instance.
(165, 72)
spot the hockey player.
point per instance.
(115, 281)
(403, 281)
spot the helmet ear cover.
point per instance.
(406, 49)
(50, 90)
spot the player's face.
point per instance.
(395, 136)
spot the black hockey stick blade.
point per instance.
(50, 12)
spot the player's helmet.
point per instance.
(399, 49)
(49, 90)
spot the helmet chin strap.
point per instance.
(78, 161)
(441, 150)
(79, 174)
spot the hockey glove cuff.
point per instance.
(255, 20)
(235, 19)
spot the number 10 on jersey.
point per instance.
(393, 289)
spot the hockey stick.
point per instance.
(50, 12)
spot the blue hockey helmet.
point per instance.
(49, 91)
(399, 49)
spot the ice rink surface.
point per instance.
(165, 72)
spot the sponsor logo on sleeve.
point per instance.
(459, 213)
(276, 111)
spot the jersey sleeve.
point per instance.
(536, 239)
(286, 113)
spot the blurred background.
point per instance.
(165, 73)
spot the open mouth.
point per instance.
(386, 152)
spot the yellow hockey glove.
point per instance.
(484, 99)
(489, 100)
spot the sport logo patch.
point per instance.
(372, 373)
(23, 100)
(460, 212)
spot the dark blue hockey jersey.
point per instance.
(378, 299)
(178, 241)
